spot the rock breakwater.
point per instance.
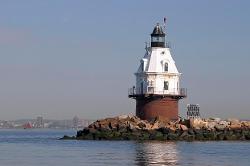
(132, 128)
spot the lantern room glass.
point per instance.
(157, 39)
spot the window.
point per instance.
(141, 87)
(166, 67)
(142, 66)
(165, 85)
(157, 39)
(151, 83)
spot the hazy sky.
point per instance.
(63, 58)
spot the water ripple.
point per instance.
(42, 147)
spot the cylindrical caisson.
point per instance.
(150, 108)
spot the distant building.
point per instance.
(39, 122)
(80, 123)
(75, 122)
(6, 124)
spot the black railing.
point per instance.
(175, 92)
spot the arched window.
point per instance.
(165, 85)
(166, 67)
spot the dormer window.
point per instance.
(166, 67)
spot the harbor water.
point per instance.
(43, 148)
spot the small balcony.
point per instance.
(151, 91)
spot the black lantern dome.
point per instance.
(158, 37)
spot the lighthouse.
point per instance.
(157, 89)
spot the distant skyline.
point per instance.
(64, 58)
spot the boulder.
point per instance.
(82, 132)
(247, 135)
(183, 134)
(197, 123)
(209, 135)
(172, 129)
(133, 126)
(245, 124)
(147, 127)
(191, 131)
(142, 125)
(135, 119)
(122, 127)
(178, 126)
(156, 136)
(122, 117)
(104, 122)
(220, 136)
(155, 126)
(220, 127)
(164, 130)
(183, 128)
(144, 136)
(186, 122)
(116, 135)
(104, 127)
(172, 136)
(199, 136)
(235, 126)
(230, 137)
(211, 125)
(113, 125)
(225, 123)
(92, 130)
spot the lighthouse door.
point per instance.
(141, 87)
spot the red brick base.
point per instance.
(150, 108)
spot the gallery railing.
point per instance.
(175, 92)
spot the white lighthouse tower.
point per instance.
(157, 89)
